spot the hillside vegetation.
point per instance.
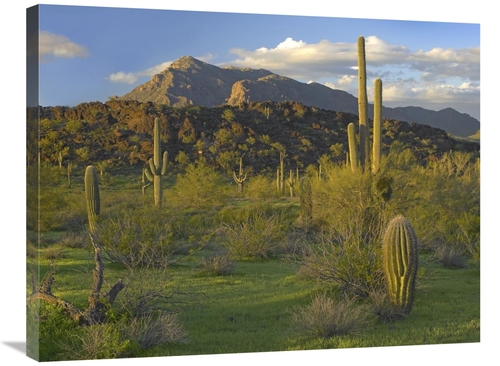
(118, 134)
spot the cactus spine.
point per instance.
(92, 197)
(157, 166)
(400, 260)
(306, 203)
(362, 103)
(240, 178)
(377, 127)
(353, 146)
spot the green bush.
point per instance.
(139, 237)
(260, 187)
(48, 329)
(200, 187)
(345, 262)
(255, 232)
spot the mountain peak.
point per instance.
(189, 81)
(186, 62)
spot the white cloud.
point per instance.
(410, 93)
(410, 76)
(58, 46)
(123, 77)
(132, 77)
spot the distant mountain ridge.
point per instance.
(189, 81)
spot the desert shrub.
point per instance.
(200, 187)
(47, 330)
(381, 306)
(346, 201)
(31, 249)
(139, 237)
(449, 256)
(54, 252)
(196, 227)
(325, 317)
(217, 264)
(450, 215)
(74, 240)
(260, 187)
(254, 232)
(97, 341)
(152, 329)
(344, 262)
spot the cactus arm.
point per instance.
(152, 166)
(164, 163)
(148, 174)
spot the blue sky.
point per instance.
(91, 53)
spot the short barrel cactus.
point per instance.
(400, 260)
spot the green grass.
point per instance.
(249, 310)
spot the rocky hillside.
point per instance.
(189, 81)
(119, 134)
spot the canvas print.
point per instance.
(204, 183)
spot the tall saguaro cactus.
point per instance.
(240, 178)
(362, 104)
(157, 165)
(400, 259)
(92, 197)
(362, 147)
(377, 126)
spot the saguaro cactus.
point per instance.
(400, 259)
(291, 184)
(362, 104)
(157, 166)
(144, 185)
(280, 174)
(353, 146)
(92, 197)
(377, 127)
(240, 178)
(306, 203)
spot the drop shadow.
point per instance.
(18, 346)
